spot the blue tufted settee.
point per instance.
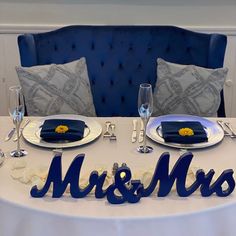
(119, 58)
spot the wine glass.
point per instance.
(145, 108)
(16, 110)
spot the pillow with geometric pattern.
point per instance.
(187, 89)
(57, 89)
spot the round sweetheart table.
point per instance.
(22, 215)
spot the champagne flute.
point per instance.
(16, 110)
(145, 108)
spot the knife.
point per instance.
(10, 134)
(21, 129)
(134, 133)
(141, 133)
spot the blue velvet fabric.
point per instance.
(75, 130)
(170, 132)
(120, 58)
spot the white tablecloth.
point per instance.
(22, 215)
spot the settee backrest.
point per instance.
(120, 58)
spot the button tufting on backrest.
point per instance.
(111, 46)
(122, 99)
(149, 49)
(131, 47)
(73, 46)
(168, 48)
(93, 80)
(103, 99)
(55, 48)
(188, 49)
(139, 66)
(92, 46)
(102, 63)
(130, 81)
(120, 66)
(111, 82)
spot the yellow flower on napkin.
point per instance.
(186, 132)
(61, 129)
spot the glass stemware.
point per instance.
(145, 108)
(16, 110)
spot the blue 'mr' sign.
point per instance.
(133, 190)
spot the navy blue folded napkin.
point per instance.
(194, 129)
(62, 129)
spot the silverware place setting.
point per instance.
(10, 134)
(110, 131)
(134, 132)
(113, 136)
(107, 133)
(141, 132)
(227, 128)
(135, 136)
(2, 157)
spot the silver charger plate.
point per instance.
(214, 132)
(32, 132)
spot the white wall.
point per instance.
(17, 17)
(179, 12)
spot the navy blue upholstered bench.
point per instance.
(119, 58)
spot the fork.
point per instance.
(221, 123)
(107, 134)
(113, 136)
(2, 157)
(228, 125)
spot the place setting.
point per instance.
(184, 131)
(55, 131)
(175, 130)
(62, 131)
(68, 130)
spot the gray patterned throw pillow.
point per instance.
(57, 89)
(187, 89)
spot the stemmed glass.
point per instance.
(16, 110)
(145, 108)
